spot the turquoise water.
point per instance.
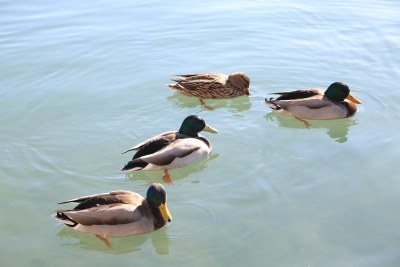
(81, 82)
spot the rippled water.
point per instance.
(80, 82)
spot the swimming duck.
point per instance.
(117, 213)
(335, 102)
(212, 85)
(173, 149)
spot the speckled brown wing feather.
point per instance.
(206, 85)
(201, 85)
(202, 81)
(202, 76)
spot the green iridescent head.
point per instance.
(338, 92)
(194, 124)
(157, 197)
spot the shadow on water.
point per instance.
(120, 245)
(336, 129)
(176, 174)
(236, 104)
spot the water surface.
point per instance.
(80, 82)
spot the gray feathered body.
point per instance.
(117, 213)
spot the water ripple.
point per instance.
(203, 216)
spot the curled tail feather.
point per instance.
(61, 217)
(134, 165)
(174, 86)
(271, 103)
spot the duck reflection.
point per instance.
(120, 245)
(336, 129)
(236, 104)
(176, 174)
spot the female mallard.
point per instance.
(172, 149)
(118, 213)
(336, 102)
(212, 85)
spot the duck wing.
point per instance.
(202, 76)
(116, 207)
(298, 94)
(202, 81)
(120, 196)
(310, 98)
(178, 149)
(153, 144)
(110, 214)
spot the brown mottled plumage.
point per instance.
(212, 85)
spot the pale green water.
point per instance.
(82, 81)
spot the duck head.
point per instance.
(194, 124)
(157, 197)
(240, 80)
(338, 92)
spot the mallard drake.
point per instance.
(118, 213)
(173, 149)
(335, 102)
(212, 85)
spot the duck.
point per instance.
(212, 85)
(333, 103)
(118, 213)
(172, 149)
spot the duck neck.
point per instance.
(158, 219)
(188, 131)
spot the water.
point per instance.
(80, 82)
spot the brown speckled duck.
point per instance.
(212, 85)
(117, 213)
(333, 103)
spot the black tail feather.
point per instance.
(60, 215)
(136, 164)
(270, 102)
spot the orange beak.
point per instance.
(354, 99)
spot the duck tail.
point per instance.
(63, 218)
(134, 165)
(129, 150)
(272, 104)
(173, 86)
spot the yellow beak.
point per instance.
(354, 99)
(210, 129)
(165, 212)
